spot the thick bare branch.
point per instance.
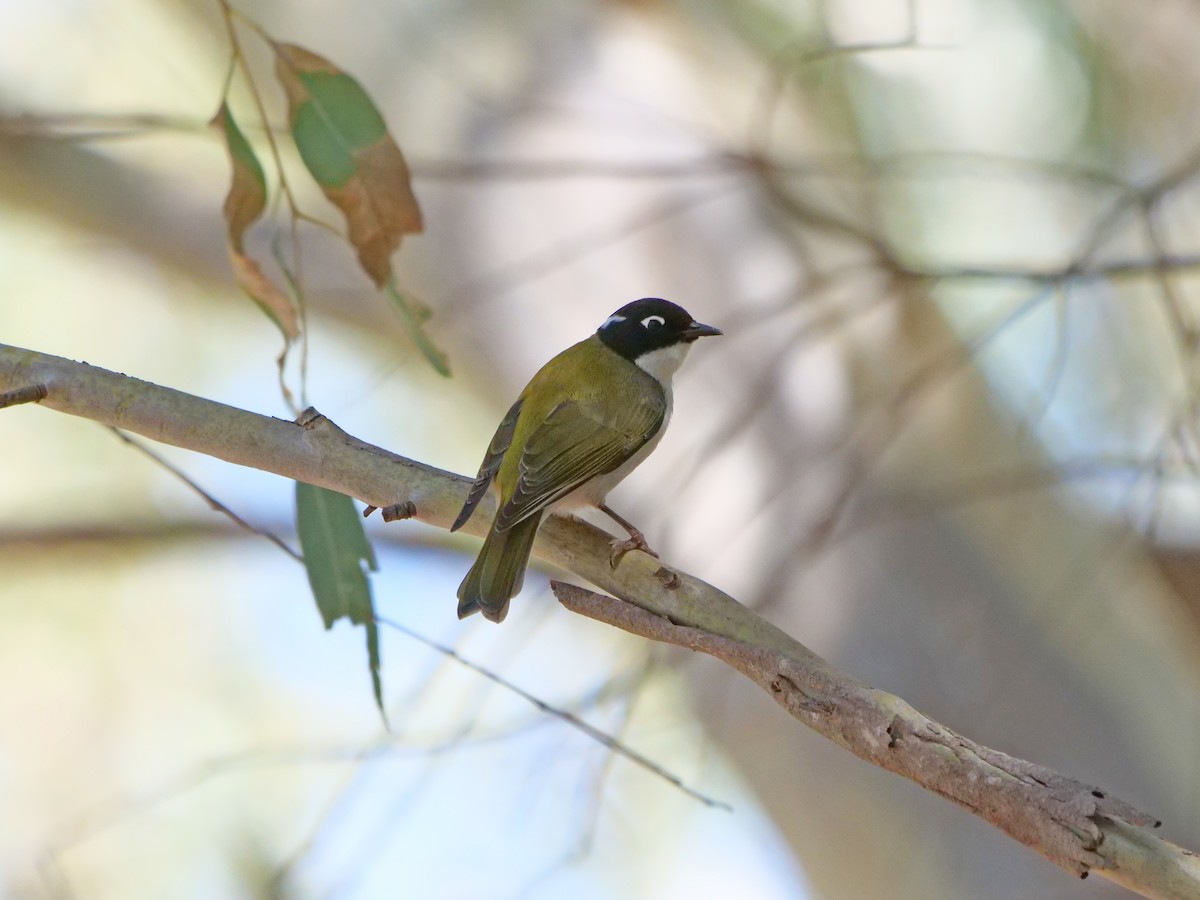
(1076, 825)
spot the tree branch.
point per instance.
(1076, 825)
(1073, 824)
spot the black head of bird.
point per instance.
(586, 420)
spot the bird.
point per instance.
(587, 419)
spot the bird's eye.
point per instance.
(652, 322)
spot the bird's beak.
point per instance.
(699, 330)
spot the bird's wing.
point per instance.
(490, 465)
(574, 444)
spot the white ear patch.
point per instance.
(653, 322)
(612, 319)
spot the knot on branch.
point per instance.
(399, 511)
(314, 421)
(670, 580)
(795, 699)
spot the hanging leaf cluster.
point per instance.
(346, 147)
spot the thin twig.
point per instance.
(605, 740)
(208, 498)
(570, 718)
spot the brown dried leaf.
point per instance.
(247, 195)
(263, 291)
(345, 145)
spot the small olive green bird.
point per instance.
(586, 420)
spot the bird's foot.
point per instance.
(637, 541)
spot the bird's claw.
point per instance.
(637, 541)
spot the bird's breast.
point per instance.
(592, 493)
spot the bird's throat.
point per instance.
(663, 362)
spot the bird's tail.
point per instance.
(499, 571)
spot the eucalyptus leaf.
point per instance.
(337, 557)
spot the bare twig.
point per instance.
(612, 743)
(208, 498)
(398, 512)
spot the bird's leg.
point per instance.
(637, 540)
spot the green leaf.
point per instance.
(345, 145)
(337, 121)
(414, 314)
(335, 547)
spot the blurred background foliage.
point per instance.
(949, 442)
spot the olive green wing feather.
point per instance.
(573, 445)
(490, 465)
